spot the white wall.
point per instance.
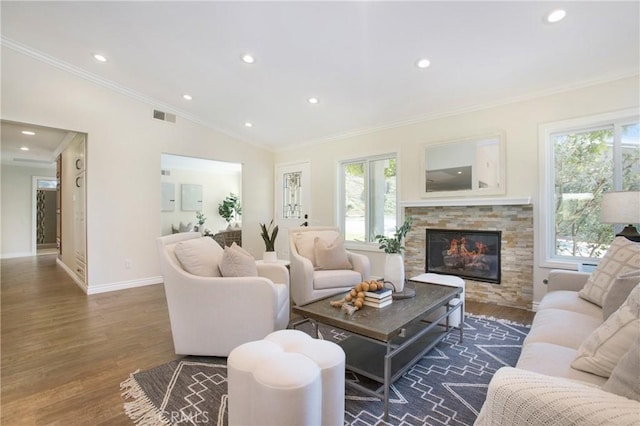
(17, 205)
(519, 121)
(124, 145)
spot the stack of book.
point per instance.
(378, 298)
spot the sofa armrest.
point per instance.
(276, 272)
(560, 279)
(521, 397)
(361, 264)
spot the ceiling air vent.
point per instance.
(164, 116)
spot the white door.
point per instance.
(292, 201)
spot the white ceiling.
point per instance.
(356, 57)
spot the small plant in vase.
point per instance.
(394, 264)
(201, 219)
(269, 234)
(230, 208)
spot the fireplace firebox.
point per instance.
(466, 253)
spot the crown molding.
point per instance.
(467, 109)
(111, 85)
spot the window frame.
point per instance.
(340, 214)
(546, 230)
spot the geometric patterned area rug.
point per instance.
(446, 387)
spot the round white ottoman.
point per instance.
(448, 280)
(288, 378)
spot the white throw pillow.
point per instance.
(603, 349)
(625, 378)
(331, 256)
(237, 262)
(199, 256)
(622, 256)
(619, 292)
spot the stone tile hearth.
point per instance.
(516, 224)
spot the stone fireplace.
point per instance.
(512, 220)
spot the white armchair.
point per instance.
(308, 281)
(211, 315)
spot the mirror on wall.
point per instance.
(474, 166)
(190, 186)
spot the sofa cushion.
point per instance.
(561, 327)
(305, 242)
(335, 279)
(331, 256)
(554, 360)
(622, 256)
(602, 350)
(199, 256)
(237, 262)
(625, 378)
(569, 301)
(619, 292)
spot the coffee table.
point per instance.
(386, 342)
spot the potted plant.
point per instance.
(394, 264)
(201, 218)
(269, 234)
(230, 208)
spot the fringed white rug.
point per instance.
(446, 387)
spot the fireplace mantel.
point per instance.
(518, 201)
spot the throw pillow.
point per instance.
(622, 256)
(619, 292)
(199, 256)
(305, 242)
(237, 262)
(603, 349)
(624, 380)
(331, 256)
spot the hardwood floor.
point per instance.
(64, 354)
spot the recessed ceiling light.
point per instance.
(555, 16)
(187, 97)
(100, 58)
(247, 124)
(423, 63)
(28, 132)
(248, 59)
(24, 148)
(313, 100)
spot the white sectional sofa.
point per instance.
(580, 356)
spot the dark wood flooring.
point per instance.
(64, 354)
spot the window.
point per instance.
(584, 160)
(368, 198)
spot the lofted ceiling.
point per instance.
(357, 58)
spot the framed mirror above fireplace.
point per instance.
(463, 167)
(473, 254)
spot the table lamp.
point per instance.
(622, 207)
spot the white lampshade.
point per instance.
(620, 207)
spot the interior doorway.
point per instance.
(44, 232)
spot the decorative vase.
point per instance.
(270, 257)
(394, 271)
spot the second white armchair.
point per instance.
(315, 277)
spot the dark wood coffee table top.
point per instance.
(381, 324)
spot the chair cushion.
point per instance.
(569, 301)
(237, 262)
(619, 292)
(603, 349)
(331, 256)
(335, 279)
(305, 242)
(562, 328)
(622, 256)
(199, 256)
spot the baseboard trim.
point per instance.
(72, 274)
(16, 254)
(123, 285)
(534, 306)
